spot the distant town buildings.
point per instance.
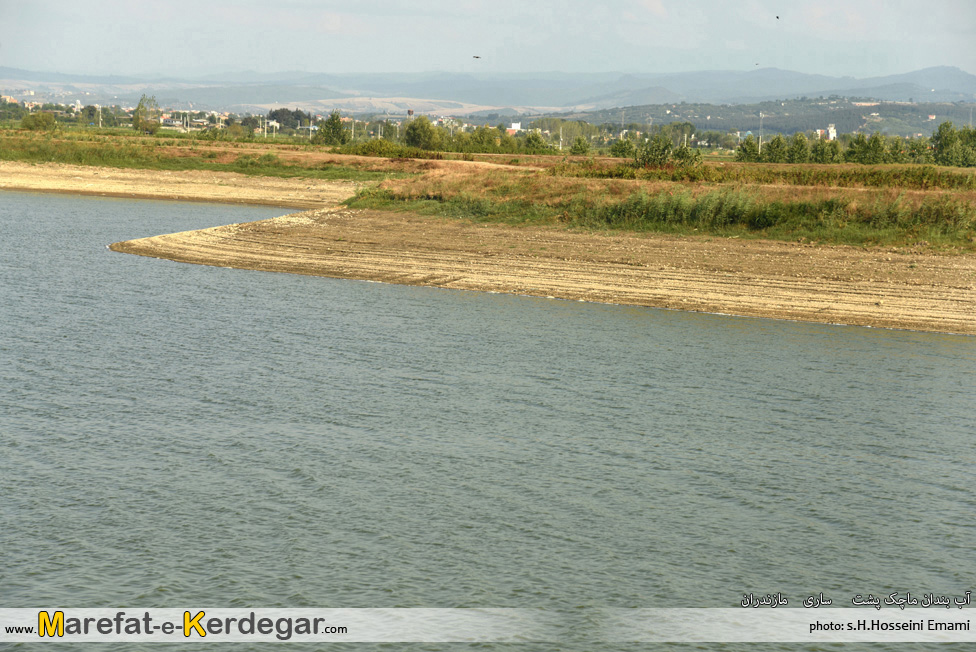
(830, 133)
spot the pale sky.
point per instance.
(860, 38)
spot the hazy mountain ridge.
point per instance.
(527, 92)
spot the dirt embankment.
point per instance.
(881, 288)
(892, 288)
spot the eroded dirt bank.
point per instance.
(880, 288)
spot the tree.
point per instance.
(799, 149)
(331, 131)
(775, 150)
(145, 118)
(580, 147)
(623, 148)
(39, 122)
(968, 158)
(877, 150)
(895, 150)
(11, 111)
(111, 115)
(678, 132)
(391, 130)
(534, 143)
(825, 151)
(729, 140)
(482, 139)
(656, 151)
(945, 142)
(967, 138)
(967, 135)
(919, 151)
(954, 154)
(687, 156)
(857, 150)
(89, 114)
(289, 119)
(748, 150)
(506, 143)
(421, 133)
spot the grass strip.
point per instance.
(909, 177)
(942, 222)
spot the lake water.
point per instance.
(175, 435)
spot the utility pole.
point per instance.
(560, 138)
(760, 132)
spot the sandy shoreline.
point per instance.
(192, 185)
(886, 288)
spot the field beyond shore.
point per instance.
(894, 287)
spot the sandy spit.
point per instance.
(880, 287)
(839, 285)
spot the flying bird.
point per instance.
(476, 57)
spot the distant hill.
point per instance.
(483, 93)
(764, 84)
(789, 116)
(59, 78)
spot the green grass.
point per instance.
(945, 222)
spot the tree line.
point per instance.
(947, 146)
(671, 143)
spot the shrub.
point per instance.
(654, 152)
(581, 147)
(388, 149)
(39, 122)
